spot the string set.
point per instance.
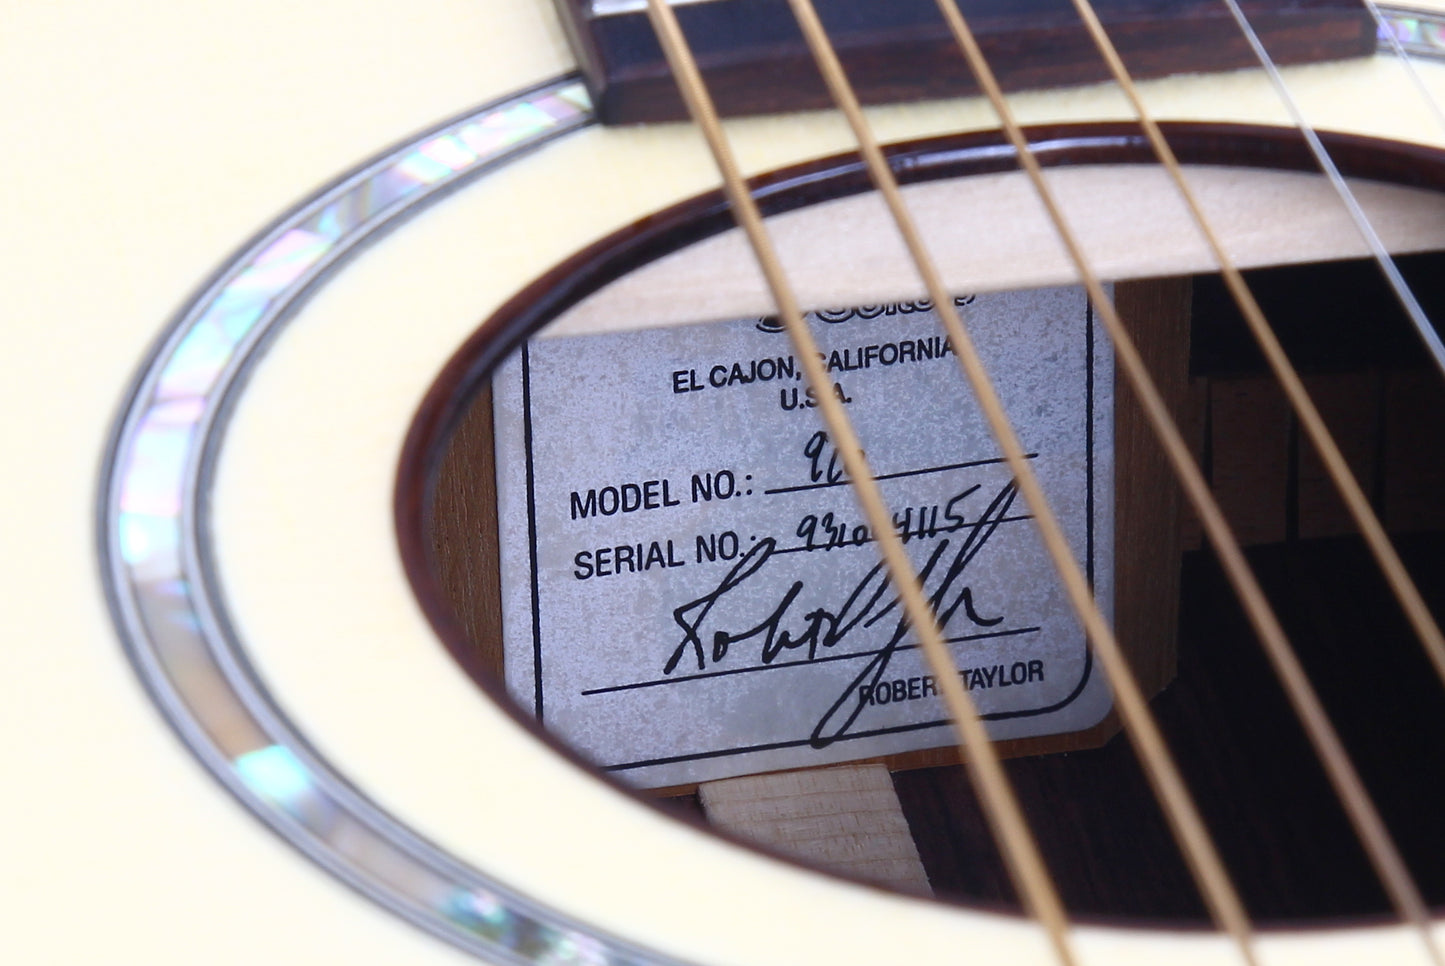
(1017, 844)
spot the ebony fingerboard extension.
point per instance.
(755, 62)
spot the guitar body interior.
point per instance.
(146, 146)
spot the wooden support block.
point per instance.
(844, 819)
(1249, 440)
(464, 540)
(1348, 403)
(1146, 498)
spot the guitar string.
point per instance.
(1364, 816)
(1021, 854)
(1397, 282)
(1179, 807)
(1407, 63)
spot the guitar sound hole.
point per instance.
(1268, 804)
(1272, 812)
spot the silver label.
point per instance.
(689, 589)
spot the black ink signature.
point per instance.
(867, 604)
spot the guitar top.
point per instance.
(146, 145)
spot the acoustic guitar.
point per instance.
(215, 365)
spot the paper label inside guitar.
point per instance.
(689, 589)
